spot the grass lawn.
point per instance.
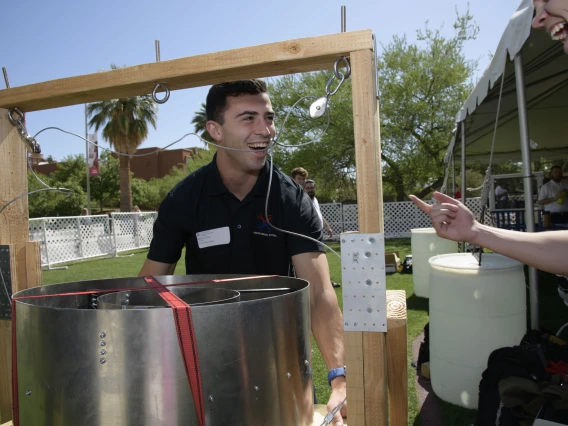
(551, 318)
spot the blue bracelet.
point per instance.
(336, 372)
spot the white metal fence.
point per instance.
(400, 217)
(63, 239)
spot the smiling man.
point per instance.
(218, 214)
(552, 16)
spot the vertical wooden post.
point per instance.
(397, 357)
(366, 355)
(14, 231)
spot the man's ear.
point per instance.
(214, 130)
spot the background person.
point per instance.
(310, 189)
(502, 195)
(552, 196)
(299, 174)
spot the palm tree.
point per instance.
(199, 121)
(125, 126)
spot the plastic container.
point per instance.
(473, 311)
(425, 244)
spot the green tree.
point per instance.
(423, 85)
(330, 159)
(71, 169)
(125, 124)
(106, 186)
(54, 203)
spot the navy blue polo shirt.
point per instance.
(201, 202)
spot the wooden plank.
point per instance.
(287, 57)
(397, 357)
(32, 273)
(14, 232)
(369, 200)
(353, 344)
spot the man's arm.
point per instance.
(326, 317)
(543, 198)
(327, 227)
(454, 221)
(153, 268)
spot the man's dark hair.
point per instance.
(555, 167)
(216, 103)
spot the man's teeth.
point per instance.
(260, 145)
(556, 33)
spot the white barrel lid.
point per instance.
(460, 261)
(423, 231)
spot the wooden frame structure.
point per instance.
(366, 353)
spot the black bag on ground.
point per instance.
(525, 361)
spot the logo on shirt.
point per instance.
(264, 227)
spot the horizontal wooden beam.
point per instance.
(267, 60)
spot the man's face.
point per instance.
(310, 189)
(300, 180)
(556, 174)
(552, 16)
(249, 125)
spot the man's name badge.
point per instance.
(213, 237)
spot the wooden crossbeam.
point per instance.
(268, 60)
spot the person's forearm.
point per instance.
(545, 201)
(547, 251)
(327, 326)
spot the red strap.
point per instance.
(187, 344)
(15, 405)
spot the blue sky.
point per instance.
(47, 40)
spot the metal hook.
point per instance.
(18, 121)
(328, 91)
(165, 88)
(339, 74)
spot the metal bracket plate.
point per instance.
(364, 282)
(5, 283)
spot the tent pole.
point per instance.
(463, 184)
(528, 185)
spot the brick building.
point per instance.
(150, 166)
(159, 163)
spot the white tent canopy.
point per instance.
(545, 68)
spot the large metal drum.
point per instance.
(80, 364)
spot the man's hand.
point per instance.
(451, 219)
(338, 393)
(329, 231)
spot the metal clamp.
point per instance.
(31, 144)
(165, 88)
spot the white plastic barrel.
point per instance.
(425, 244)
(473, 311)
